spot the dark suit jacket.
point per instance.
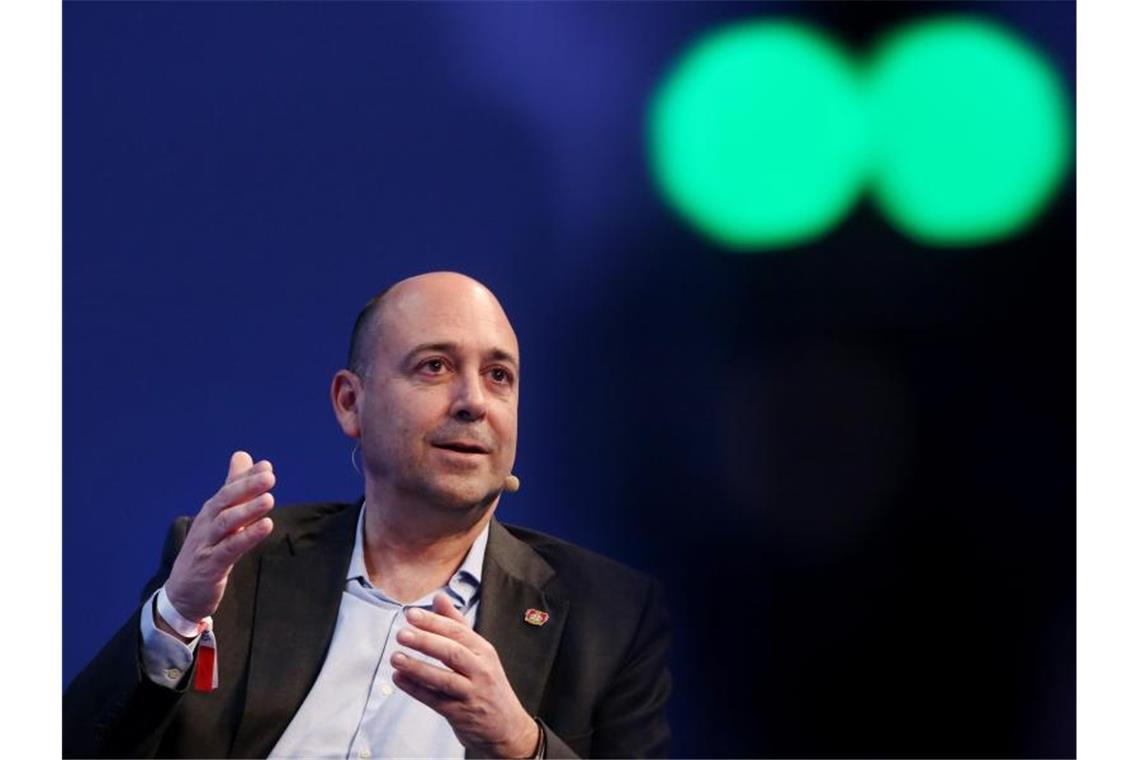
(595, 674)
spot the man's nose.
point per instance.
(469, 403)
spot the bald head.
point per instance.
(436, 295)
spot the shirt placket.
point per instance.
(381, 688)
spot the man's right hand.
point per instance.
(230, 523)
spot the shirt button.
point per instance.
(364, 753)
(173, 674)
(386, 689)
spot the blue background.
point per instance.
(851, 463)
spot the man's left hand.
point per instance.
(474, 695)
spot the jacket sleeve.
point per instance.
(630, 718)
(111, 709)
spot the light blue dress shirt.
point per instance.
(354, 710)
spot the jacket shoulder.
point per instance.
(582, 571)
(309, 515)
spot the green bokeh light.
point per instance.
(971, 131)
(757, 137)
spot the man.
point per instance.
(410, 624)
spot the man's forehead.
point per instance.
(449, 310)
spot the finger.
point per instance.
(262, 466)
(240, 491)
(239, 516)
(230, 549)
(240, 461)
(446, 682)
(441, 703)
(443, 605)
(448, 651)
(457, 630)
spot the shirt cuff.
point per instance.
(165, 659)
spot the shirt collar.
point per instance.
(464, 583)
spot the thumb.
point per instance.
(239, 463)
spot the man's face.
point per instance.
(438, 409)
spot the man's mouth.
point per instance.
(463, 447)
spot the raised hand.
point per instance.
(230, 523)
(474, 694)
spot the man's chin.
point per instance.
(462, 496)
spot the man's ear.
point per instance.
(346, 395)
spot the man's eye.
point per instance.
(500, 375)
(433, 366)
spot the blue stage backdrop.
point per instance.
(850, 461)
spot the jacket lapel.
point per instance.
(514, 575)
(299, 587)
